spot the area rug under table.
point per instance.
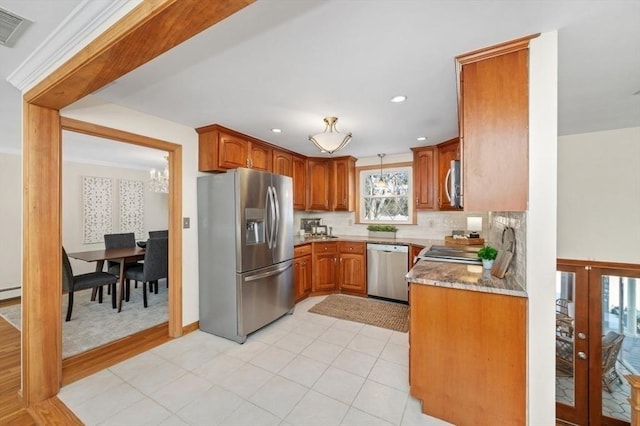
(94, 324)
(394, 316)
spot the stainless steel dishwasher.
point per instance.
(387, 265)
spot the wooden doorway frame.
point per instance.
(149, 30)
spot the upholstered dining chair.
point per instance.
(164, 233)
(72, 283)
(155, 266)
(122, 240)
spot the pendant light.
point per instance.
(330, 140)
(381, 184)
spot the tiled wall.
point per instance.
(431, 225)
(498, 221)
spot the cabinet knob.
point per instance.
(350, 248)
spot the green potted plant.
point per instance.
(488, 254)
(382, 231)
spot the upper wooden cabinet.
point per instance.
(221, 149)
(282, 163)
(331, 183)
(299, 174)
(343, 176)
(494, 127)
(424, 177)
(318, 185)
(447, 152)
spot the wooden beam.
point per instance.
(42, 254)
(152, 28)
(149, 30)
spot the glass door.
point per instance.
(572, 344)
(619, 325)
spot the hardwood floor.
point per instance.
(53, 411)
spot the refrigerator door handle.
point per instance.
(276, 208)
(267, 209)
(268, 274)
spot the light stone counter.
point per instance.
(463, 277)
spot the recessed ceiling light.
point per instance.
(422, 138)
(398, 99)
(276, 130)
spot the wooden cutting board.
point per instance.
(501, 264)
(450, 241)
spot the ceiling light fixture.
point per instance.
(422, 138)
(159, 181)
(330, 140)
(381, 184)
(276, 130)
(398, 99)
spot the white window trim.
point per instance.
(360, 199)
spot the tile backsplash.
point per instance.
(498, 221)
(431, 225)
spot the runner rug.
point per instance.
(394, 316)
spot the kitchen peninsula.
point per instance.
(467, 344)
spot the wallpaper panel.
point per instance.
(97, 199)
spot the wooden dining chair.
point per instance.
(155, 266)
(72, 283)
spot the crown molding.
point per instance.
(86, 21)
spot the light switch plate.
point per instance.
(186, 222)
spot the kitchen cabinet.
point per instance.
(494, 127)
(424, 177)
(325, 259)
(343, 186)
(221, 149)
(318, 185)
(468, 349)
(302, 271)
(447, 152)
(282, 163)
(299, 174)
(352, 270)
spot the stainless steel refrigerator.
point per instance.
(245, 251)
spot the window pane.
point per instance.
(390, 202)
(620, 342)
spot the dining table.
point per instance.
(121, 255)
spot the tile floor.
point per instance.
(304, 369)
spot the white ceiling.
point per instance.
(288, 64)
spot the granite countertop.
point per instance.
(297, 240)
(463, 277)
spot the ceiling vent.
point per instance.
(11, 26)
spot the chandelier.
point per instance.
(159, 180)
(330, 140)
(381, 184)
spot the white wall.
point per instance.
(156, 209)
(599, 196)
(541, 227)
(156, 214)
(92, 110)
(10, 224)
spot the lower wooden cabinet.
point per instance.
(325, 265)
(302, 271)
(467, 355)
(352, 270)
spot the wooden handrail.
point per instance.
(634, 399)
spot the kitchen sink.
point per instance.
(320, 237)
